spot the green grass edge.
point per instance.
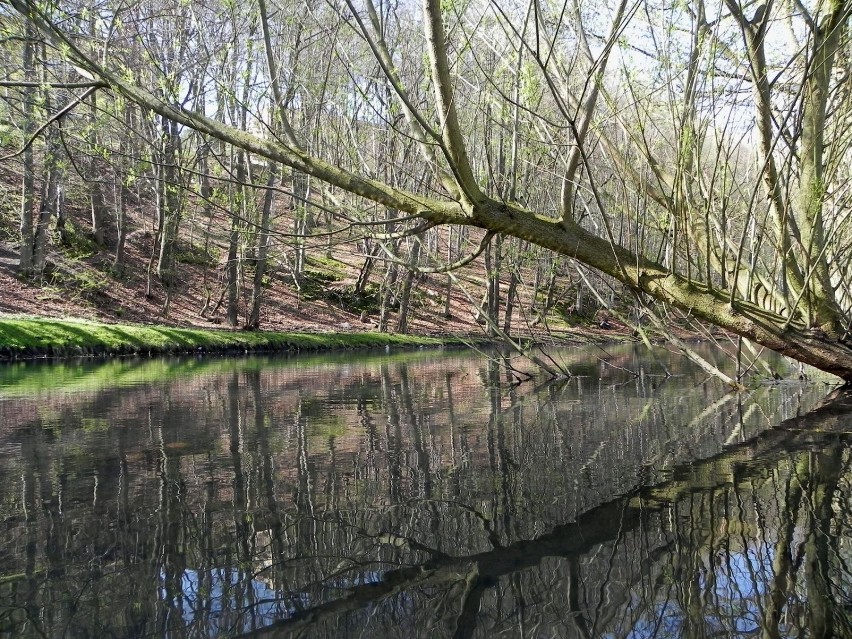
(37, 337)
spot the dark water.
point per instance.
(419, 495)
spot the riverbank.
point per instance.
(35, 337)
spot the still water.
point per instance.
(420, 495)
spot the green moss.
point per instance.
(194, 255)
(78, 245)
(331, 268)
(39, 337)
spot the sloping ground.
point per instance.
(85, 286)
(81, 283)
(79, 288)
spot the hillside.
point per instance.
(81, 281)
(85, 286)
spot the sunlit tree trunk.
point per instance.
(53, 176)
(168, 201)
(30, 96)
(97, 201)
(405, 289)
(262, 248)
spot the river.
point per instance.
(420, 494)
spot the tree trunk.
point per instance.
(99, 211)
(511, 293)
(50, 203)
(60, 228)
(262, 248)
(121, 197)
(492, 286)
(168, 202)
(387, 296)
(30, 97)
(121, 192)
(232, 269)
(232, 273)
(405, 292)
(302, 222)
(51, 198)
(96, 182)
(579, 303)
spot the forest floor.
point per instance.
(85, 288)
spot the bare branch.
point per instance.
(55, 117)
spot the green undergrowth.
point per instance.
(22, 338)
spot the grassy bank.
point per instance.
(25, 338)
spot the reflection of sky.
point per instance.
(732, 610)
(226, 601)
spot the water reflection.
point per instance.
(419, 495)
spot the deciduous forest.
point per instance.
(653, 159)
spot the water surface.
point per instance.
(419, 495)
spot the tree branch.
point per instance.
(56, 116)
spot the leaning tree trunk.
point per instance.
(371, 252)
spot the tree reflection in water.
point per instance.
(422, 496)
